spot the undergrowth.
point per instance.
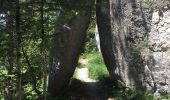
(96, 67)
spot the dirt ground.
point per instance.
(79, 90)
(85, 88)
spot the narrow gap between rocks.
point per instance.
(83, 87)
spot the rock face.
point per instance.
(159, 44)
(67, 44)
(160, 31)
(136, 55)
(64, 54)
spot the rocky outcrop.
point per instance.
(65, 51)
(134, 55)
(159, 44)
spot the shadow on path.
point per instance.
(79, 90)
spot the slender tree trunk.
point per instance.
(42, 23)
(18, 51)
(9, 54)
(43, 51)
(97, 39)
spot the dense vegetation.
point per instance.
(26, 30)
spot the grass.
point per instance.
(96, 67)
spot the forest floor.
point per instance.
(84, 88)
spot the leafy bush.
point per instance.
(165, 97)
(90, 42)
(90, 45)
(6, 81)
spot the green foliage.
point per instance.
(148, 2)
(90, 45)
(133, 94)
(6, 81)
(35, 44)
(35, 66)
(96, 66)
(165, 97)
(5, 75)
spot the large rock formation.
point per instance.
(65, 51)
(159, 44)
(133, 51)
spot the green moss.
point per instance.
(148, 2)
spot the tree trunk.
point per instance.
(42, 51)
(65, 51)
(97, 39)
(9, 55)
(124, 27)
(18, 52)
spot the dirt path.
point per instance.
(85, 88)
(87, 91)
(82, 74)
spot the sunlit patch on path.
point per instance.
(82, 74)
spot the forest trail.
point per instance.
(82, 71)
(82, 74)
(85, 88)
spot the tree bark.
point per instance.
(18, 51)
(42, 51)
(8, 53)
(65, 51)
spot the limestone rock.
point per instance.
(138, 53)
(159, 40)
